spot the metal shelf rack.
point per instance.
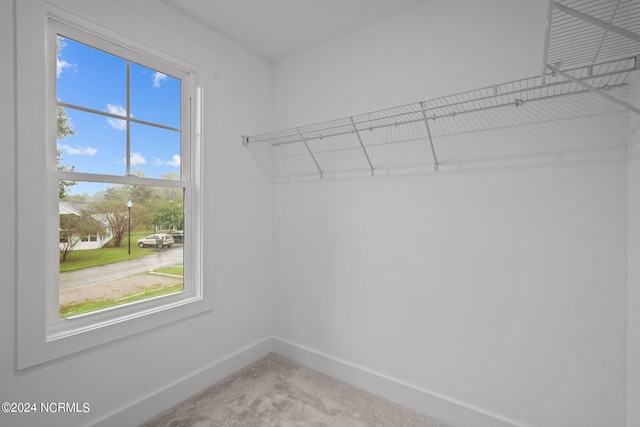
(584, 42)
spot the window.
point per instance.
(117, 122)
(123, 180)
(122, 200)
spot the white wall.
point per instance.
(502, 289)
(633, 234)
(237, 232)
(436, 49)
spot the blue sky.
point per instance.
(95, 79)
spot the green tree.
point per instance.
(116, 214)
(73, 227)
(168, 213)
(84, 197)
(118, 193)
(139, 194)
(65, 128)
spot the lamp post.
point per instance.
(129, 204)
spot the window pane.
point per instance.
(155, 97)
(112, 253)
(90, 78)
(92, 143)
(155, 152)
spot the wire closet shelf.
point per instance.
(321, 148)
(582, 32)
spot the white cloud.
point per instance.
(117, 123)
(61, 65)
(158, 77)
(77, 151)
(137, 159)
(174, 162)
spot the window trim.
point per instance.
(41, 338)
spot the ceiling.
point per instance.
(275, 29)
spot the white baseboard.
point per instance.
(421, 400)
(424, 401)
(150, 405)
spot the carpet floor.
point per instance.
(275, 391)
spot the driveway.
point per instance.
(110, 272)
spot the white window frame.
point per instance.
(42, 335)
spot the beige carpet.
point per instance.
(275, 391)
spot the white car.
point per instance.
(156, 240)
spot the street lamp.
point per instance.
(129, 204)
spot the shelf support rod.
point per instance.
(304, 140)
(436, 166)
(600, 23)
(364, 150)
(604, 36)
(595, 89)
(547, 32)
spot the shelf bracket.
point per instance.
(547, 33)
(595, 89)
(436, 166)
(604, 35)
(304, 140)
(595, 21)
(364, 150)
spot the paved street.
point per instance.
(89, 276)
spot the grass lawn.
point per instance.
(68, 310)
(176, 270)
(77, 260)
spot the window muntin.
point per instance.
(127, 143)
(91, 90)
